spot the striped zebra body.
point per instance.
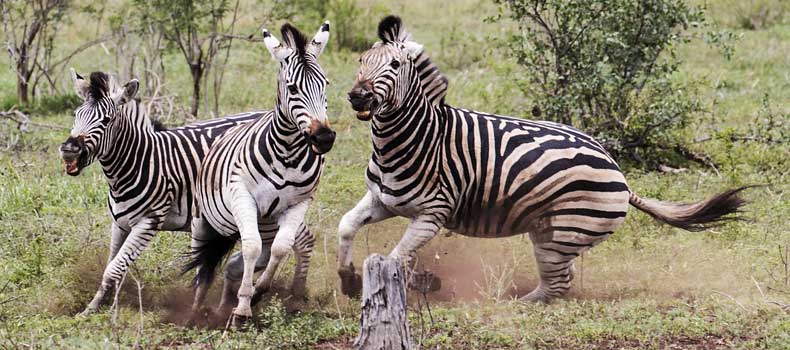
(485, 175)
(150, 171)
(258, 179)
(272, 160)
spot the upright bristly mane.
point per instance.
(391, 29)
(434, 83)
(99, 85)
(294, 39)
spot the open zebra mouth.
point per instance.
(364, 106)
(74, 163)
(71, 166)
(363, 116)
(367, 111)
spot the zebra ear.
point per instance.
(276, 48)
(319, 41)
(81, 86)
(412, 49)
(126, 93)
(130, 90)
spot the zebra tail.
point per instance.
(206, 258)
(697, 216)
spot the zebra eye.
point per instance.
(395, 64)
(292, 89)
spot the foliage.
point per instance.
(353, 26)
(29, 28)
(193, 28)
(606, 66)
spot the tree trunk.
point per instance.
(383, 323)
(22, 76)
(197, 74)
(22, 89)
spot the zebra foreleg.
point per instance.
(367, 211)
(124, 250)
(117, 238)
(234, 270)
(245, 213)
(420, 231)
(290, 223)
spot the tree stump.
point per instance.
(383, 323)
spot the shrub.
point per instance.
(353, 27)
(605, 66)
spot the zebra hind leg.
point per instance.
(303, 251)
(555, 267)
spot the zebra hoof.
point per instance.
(425, 282)
(536, 297)
(350, 282)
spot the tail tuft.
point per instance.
(207, 257)
(697, 216)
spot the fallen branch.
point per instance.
(668, 169)
(15, 115)
(23, 121)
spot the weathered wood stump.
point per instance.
(383, 323)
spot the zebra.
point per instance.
(149, 169)
(258, 180)
(486, 175)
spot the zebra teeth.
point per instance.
(363, 115)
(70, 166)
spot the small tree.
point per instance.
(193, 27)
(29, 36)
(605, 66)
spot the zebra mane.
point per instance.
(434, 83)
(157, 124)
(294, 39)
(99, 85)
(391, 29)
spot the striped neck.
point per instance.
(287, 143)
(128, 145)
(395, 133)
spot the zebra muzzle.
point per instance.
(321, 140)
(73, 154)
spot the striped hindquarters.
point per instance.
(513, 176)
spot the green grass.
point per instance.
(648, 286)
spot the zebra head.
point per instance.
(102, 95)
(301, 84)
(386, 71)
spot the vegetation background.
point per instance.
(648, 286)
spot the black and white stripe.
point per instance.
(485, 175)
(150, 170)
(258, 179)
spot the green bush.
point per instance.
(43, 105)
(606, 66)
(353, 26)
